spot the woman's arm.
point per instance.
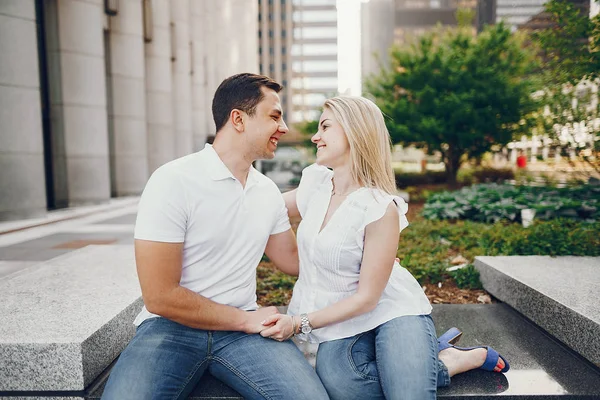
(381, 245)
(290, 203)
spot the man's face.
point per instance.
(265, 127)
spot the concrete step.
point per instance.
(541, 367)
(559, 294)
(63, 321)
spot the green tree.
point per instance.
(570, 45)
(455, 92)
(570, 48)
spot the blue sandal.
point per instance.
(448, 339)
(451, 336)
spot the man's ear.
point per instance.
(237, 119)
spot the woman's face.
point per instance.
(333, 149)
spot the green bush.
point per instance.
(415, 179)
(560, 237)
(467, 278)
(427, 246)
(493, 202)
(497, 175)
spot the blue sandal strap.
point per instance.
(491, 360)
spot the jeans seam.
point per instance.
(241, 376)
(189, 378)
(353, 365)
(431, 331)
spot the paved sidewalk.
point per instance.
(26, 242)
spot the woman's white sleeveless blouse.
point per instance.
(330, 260)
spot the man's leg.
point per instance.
(348, 368)
(260, 368)
(164, 360)
(407, 359)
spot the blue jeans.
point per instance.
(396, 360)
(165, 360)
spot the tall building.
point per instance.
(275, 36)
(515, 13)
(298, 47)
(386, 22)
(377, 35)
(96, 94)
(314, 56)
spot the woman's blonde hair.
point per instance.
(370, 143)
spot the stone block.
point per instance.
(18, 45)
(83, 79)
(129, 20)
(18, 8)
(65, 320)
(556, 293)
(127, 55)
(160, 108)
(88, 179)
(20, 120)
(85, 131)
(541, 368)
(160, 46)
(129, 137)
(129, 97)
(158, 74)
(80, 27)
(22, 184)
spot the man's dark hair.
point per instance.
(242, 92)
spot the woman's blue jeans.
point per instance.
(165, 360)
(396, 360)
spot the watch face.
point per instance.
(306, 329)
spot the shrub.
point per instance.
(497, 175)
(493, 202)
(414, 179)
(559, 237)
(467, 278)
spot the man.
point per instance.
(203, 223)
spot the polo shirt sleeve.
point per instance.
(162, 211)
(282, 223)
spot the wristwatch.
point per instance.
(305, 324)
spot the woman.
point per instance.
(370, 316)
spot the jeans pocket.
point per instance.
(361, 356)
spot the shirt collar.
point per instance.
(219, 171)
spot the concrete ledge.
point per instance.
(557, 293)
(65, 320)
(541, 368)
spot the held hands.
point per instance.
(254, 319)
(279, 327)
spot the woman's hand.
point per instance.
(280, 327)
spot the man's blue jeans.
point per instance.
(396, 360)
(165, 360)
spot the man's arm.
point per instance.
(290, 203)
(159, 271)
(282, 250)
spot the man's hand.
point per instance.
(282, 328)
(255, 319)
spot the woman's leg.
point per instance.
(407, 361)
(348, 369)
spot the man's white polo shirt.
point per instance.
(224, 226)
